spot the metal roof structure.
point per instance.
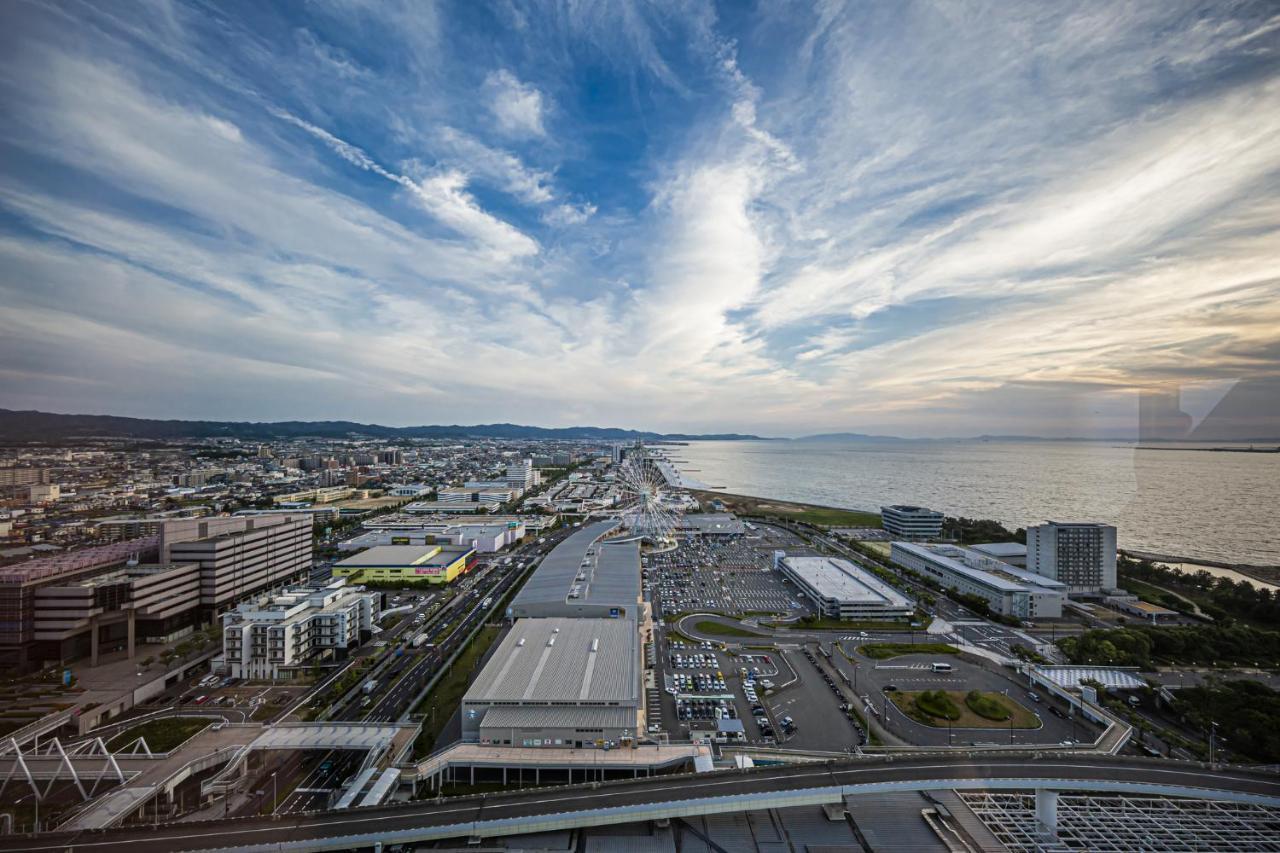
(993, 573)
(582, 570)
(558, 717)
(711, 524)
(1001, 549)
(1109, 677)
(842, 581)
(562, 662)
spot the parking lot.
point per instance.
(732, 576)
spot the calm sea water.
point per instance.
(1192, 504)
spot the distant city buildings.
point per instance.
(1007, 589)
(839, 589)
(273, 636)
(1081, 555)
(911, 522)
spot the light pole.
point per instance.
(275, 792)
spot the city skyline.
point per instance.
(911, 219)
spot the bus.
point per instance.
(942, 667)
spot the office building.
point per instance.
(1008, 590)
(841, 590)
(559, 682)
(1081, 555)
(584, 576)
(476, 493)
(20, 649)
(277, 635)
(911, 522)
(240, 555)
(521, 477)
(401, 563)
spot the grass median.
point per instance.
(449, 690)
(884, 651)
(161, 735)
(940, 708)
(722, 629)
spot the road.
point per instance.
(511, 812)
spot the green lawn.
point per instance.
(720, 629)
(937, 707)
(822, 516)
(884, 651)
(161, 735)
(448, 692)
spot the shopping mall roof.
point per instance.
(562, 661)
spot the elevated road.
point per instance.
(672, 796)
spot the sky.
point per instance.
(777, 217)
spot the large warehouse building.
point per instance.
(402, 563)
(841, 590)
(584, 576)
(1008, 590)
(559, 682)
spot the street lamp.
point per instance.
(275, 792)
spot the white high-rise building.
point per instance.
(521, 476)
(1081, 555)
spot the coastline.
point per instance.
(1265, 574)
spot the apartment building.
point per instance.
(275, 636)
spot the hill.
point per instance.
(46, 426)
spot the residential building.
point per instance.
(275, 636)
(1081, 555)
(1008, 590)
(400, 563)
(841, 590)
(43, 493)
(911, 522)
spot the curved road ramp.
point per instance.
(667, 797)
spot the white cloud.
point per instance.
(517, 107)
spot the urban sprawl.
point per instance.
(198, 630)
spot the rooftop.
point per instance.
(403, 555)
(843, 581)
(989, 571)
(566, 661)
(611, 576)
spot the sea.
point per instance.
(1187, 503)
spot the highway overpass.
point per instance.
(667, 797)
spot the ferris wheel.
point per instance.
(645, 511)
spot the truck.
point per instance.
(487, 603)
(419, 640)
(370, 686)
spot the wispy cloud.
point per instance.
(906, 217)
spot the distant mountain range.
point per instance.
(46, 426)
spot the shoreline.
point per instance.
(1264, 574)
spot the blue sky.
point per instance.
(779, 217)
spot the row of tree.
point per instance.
(1220, 597)
(1212, 645)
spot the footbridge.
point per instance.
(666, 797)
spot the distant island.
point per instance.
(32, 426)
